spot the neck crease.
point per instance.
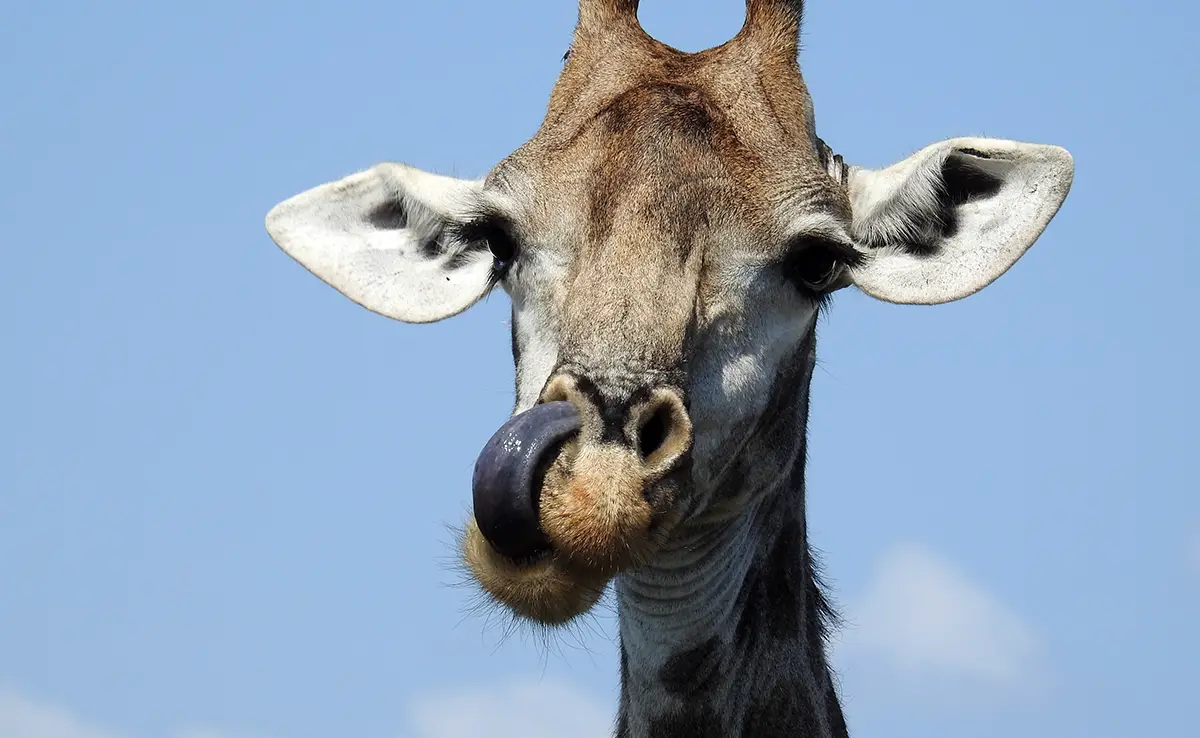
(724, 633)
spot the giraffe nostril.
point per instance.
(653, 433)
(662, 430)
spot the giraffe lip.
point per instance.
(507, 481)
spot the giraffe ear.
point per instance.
(949, 220)
(382, 238)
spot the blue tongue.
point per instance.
(506, 501)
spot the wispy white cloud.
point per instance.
(203, 733)
(925, 619)
(526, 710)
(22, 716)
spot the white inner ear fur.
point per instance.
(380, 238)
(933, 238)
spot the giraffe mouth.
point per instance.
(556, 517)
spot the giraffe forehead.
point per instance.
(652, 197)
(660, 156)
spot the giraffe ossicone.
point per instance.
(668, 238)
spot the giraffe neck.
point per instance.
(723, 634)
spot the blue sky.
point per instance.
(224, 489)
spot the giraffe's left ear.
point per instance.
(949, 220)
(385, 239)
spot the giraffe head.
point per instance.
(667, 239)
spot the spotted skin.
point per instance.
(755, 666)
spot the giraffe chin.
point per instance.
(595, 511)
(546, 590)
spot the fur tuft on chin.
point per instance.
(546, 591)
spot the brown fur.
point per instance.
(648, 162)
(547, 591)
(596, 514)
(594, 508)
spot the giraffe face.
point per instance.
(667, 239)
(666, 252)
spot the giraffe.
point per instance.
(668, 238)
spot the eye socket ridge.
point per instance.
(815, 261)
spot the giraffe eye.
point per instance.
(815, 263)
(502, 246)
(496, 234)
(815, 269)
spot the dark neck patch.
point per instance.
(783, 711)
(772, 598)
(691, 721)
(694, 673)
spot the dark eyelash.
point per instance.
(475, 225)
(806, 247)
(489, 230)
(842, 253)
(807, 252)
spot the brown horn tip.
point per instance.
(604, 13)
(790, 8)
(778, 20)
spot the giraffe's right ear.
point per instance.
(383, 238)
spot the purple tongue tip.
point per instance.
(506, 500)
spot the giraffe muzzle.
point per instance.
(561, 505)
